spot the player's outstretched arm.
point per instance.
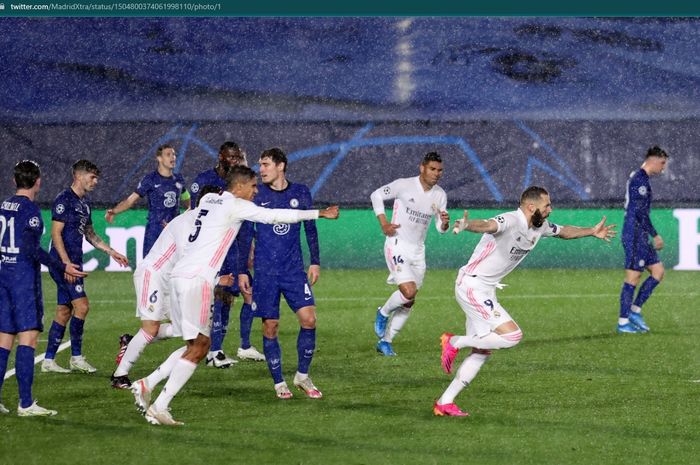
(97, 242)
(122, 206)
(475, 226)
(600, 230)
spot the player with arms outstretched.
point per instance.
(507, 239)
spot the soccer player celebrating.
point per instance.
(639, 254)
(21, 304)
(163, 188)
(152, 285)
(506, 241)
(218, 220)
(416, 201)
(279, 270)
(71, 221)
(230, 155)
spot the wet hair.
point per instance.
(431, 156)
(532, 194)
(276, 155)
(238, 174)
(161, 148)
(86, 166)
(229, 145)
(208, 189)
(26, 174)
(656, 151)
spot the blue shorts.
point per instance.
(21, 303)
(639, 254)
(267, 290)
(67, 292)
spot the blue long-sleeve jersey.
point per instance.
(637, 222)
(75, 213)
(278, 246)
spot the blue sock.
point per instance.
(55, 337)
(225, 316)
(4, 357)
(645, 291)
(626, 299)
(306, 343)
(246, 319)
(24, 368)
(76, 336)
(273, 357)
(217, 337)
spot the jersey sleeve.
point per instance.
(550, 229)
(245, 240)
(144, 187)
(247, 210)
(194, 193)
(504, 222)
(640, 203)
(310, 230)
(32, 240)
(60, 209)
(384, 193)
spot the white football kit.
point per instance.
(494, 257)
(413, 210)
(217, 222)
(152, 275)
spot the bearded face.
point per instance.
(538, 218)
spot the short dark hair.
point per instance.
(208, 189)
(87, 166)
(431, 156)
(26, 174)
(229, 145)
(532, 194)
(276, 155)
(656, 151)
(161, 148)
(238, 174)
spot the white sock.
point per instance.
(181, 373)
(636, 309)
(165, 368)
(490, 341)
(398, 319)
(133, 352)
(467, 372)
(165, 331)
(623, 321)
(395, 301)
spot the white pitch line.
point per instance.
(39, 358)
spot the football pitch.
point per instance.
(572, 392)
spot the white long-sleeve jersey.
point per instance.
(413, 207)
(217, 222)
(167, 249)
(499, 253)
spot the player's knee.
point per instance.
(658, 274)
(409, 295)
(270, 328)
(511, 339)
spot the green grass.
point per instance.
(573, 392)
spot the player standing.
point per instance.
(230, 155)
(279, 270)
(71, 221)
(507, 239)
(639, 254)
(21, 302)
(416, 201)
(163, 188)
(218, 220)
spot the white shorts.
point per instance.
(192, 309)
(152, 295)
(406, 261)
(478, 301)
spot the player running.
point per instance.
(416, 201)
(507, 239)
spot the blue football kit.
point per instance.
(637, 228)
(163, 197)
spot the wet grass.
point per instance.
(573, 392)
